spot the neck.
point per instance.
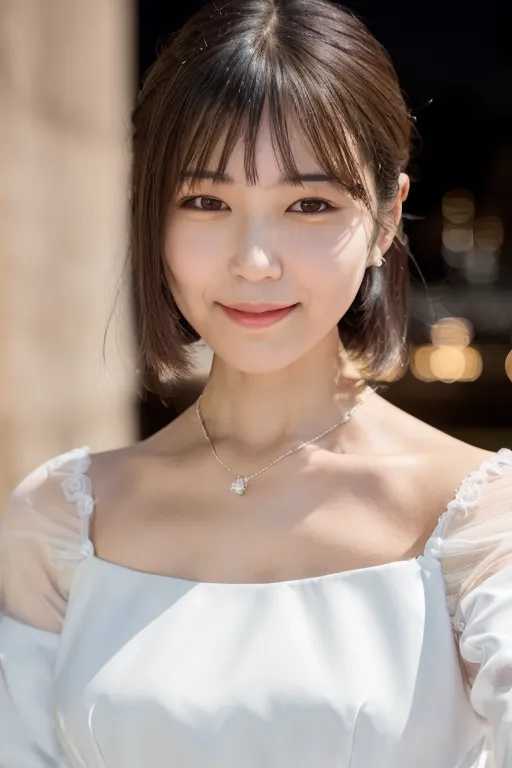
(260, 413)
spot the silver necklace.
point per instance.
(240, 483)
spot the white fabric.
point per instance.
(402, 665)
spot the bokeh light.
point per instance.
(458, 206)
(488, 233)
(508, 365)
(450, 357)
(452, 331)
(458, 239)
(448, 363)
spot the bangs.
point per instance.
(230, 108)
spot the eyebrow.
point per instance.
(295, 180)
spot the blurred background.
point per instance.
(68, 74)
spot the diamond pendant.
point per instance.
(239, 485)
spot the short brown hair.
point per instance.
(312, 59)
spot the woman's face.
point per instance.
(275, 243)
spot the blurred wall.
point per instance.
(67, 76)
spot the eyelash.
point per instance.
(329, 208)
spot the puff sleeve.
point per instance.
(43, 538)
(473, 542)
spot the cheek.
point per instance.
(332, 264)
(193, 256)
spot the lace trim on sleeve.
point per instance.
(468, 496)
(44, 536)
(473, 537)
(77, 489)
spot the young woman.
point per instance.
(294, 572)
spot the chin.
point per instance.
(258, 361)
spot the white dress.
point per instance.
(402, 665)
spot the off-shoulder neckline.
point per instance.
(85, 504)
(303, 582)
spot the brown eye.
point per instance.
(203, 203)
(210, 203)
(311, 205)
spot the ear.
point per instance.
(395, 214)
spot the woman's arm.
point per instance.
(474, 546)
(41, 545)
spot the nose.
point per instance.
(255, 263)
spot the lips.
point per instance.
(258, 308)
(257, 315)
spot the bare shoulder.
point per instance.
(129, 483)
(440, 473)
(437, 462)
(121, 470)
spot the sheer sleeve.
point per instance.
(43, 538)
(473, 542)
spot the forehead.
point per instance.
(265, 156)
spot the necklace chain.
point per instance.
(239, 485)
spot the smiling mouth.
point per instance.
(257, 316)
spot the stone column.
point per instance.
(67, 77)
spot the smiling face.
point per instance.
(273, 243)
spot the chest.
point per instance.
(316, 521)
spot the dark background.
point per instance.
(455, 67)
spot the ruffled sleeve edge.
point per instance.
(467, 496)
(77, 489)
